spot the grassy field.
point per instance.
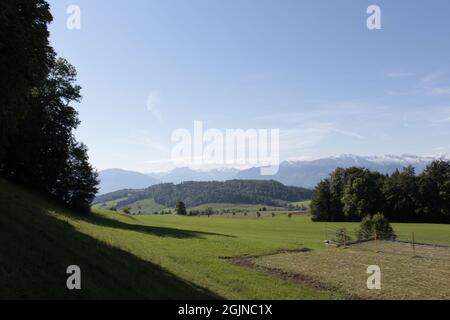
(306, 203)
(153, 256)
(146, 206)
(238, 207)
(425, 275)
(109, 204)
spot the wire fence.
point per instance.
(420, 244)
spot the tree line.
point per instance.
(37, 118)
(270, 193)
(354, 193)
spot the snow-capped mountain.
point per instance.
(309, 173)
(294, 173)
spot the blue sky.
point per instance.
(310, 68)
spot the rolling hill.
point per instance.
(270, 193)
(40, 239)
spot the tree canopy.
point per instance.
(37, 118)
(354, 193)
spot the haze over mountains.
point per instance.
(292, 173)
(117, 179)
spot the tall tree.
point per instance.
(321, 202)
(434, 192)
(337, 183)
(362, 194)
(180, 208)
(81, 179)
(400, 191)
(45, 154)
(25, 59)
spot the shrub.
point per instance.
(376, 225)
(342, 237)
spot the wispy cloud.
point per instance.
(398, 74)
(298, 140)
(432, 84)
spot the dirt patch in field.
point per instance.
(405, 274)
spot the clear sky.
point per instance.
(310, 68)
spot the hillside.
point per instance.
(269, 193)
(40, 240)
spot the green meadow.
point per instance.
(154, 256)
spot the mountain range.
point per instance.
(292, 173)
(118, 179)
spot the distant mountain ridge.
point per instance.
(271, 193)
(118, 179)
(308, 173)
(294, 173)
(183, 174)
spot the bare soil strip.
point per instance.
(425, 275)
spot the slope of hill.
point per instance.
(118, 179)
(271, 193)
(40, 240)
(122, 257)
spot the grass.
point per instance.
(146, 206)
(109, 204)
(150, 256)
(233, 206)
(403, 275)
(306, 203)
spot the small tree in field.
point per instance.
(342, 237)
(376, 226)
(180, 208)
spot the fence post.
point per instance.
(376, 241)
(414, 244)
(345, 238)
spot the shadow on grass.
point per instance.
(157, 231)
(37, 249)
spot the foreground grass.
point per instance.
(124, 257)
(150, 256)
(425, 275)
